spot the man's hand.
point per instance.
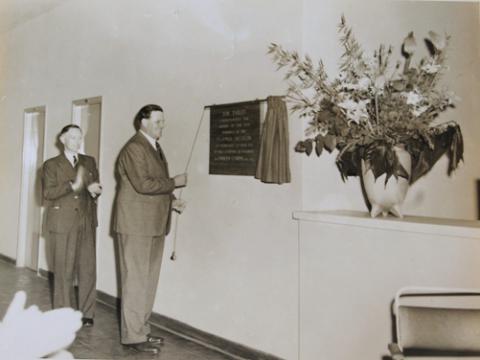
(94, 189)
(180, 180)
(78, 183)
(179, 205)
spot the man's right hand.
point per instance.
(78, 183)
(180, 180)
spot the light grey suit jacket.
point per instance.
(145, 194)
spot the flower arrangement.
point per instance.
(374, 105)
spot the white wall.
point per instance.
(11, 144)
(236, 270)
(389, 22)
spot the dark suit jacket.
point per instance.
(64, 206)
(144, 199)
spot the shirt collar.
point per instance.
(69, 155)
(150, 139)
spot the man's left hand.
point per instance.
(94, 189)
(179, 205)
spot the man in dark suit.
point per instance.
(70, 186)
(142, 219)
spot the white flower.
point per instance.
(413, 97)
(348, 104)
(355, 111)
(431, 68)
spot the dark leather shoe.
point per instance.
(144, 347)
(87, 322)
(155, 340)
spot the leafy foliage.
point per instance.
(374, 105)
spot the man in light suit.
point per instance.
(70, 186)
(143, 209)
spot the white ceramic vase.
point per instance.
(385, 199)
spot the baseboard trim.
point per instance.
(45, 274)
(230, 348)
(214, 342)
(8, 259)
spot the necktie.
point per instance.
(159, 150)
(75, 160)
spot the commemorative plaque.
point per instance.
(234, 138)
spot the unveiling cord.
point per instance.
(173, 257)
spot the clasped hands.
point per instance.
(94, 188)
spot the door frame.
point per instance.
(24, 191)
(75, 120)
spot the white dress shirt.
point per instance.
(69, 155)
(150, 139)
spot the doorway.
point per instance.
(30, 222)
(87, 114)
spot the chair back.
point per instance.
(438, 319)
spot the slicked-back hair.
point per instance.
(68, 127)
(144, 113)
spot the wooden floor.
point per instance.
(102, 341)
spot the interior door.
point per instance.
(30, 224)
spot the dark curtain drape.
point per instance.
(273, 161)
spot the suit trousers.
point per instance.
(140, 262)
(75, 256)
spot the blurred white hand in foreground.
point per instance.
(30, 333)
